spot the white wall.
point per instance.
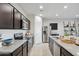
(11, 32)
(38, 30)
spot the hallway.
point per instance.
(40, 50)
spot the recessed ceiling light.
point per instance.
(41, 14)
(65, 7)
(57, 15)
(41, 7)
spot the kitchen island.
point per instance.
(59, 48)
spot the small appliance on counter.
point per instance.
(18, 36)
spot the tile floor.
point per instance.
(40, 50)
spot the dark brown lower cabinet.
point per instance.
(21, 51)
(60, 51)
(30, 44)
(25, 51)
(64, 52)
(20, 54)
(17, 52)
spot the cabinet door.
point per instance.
(32, 40)
(25, 23)
(65, 52)
(18, 52)
(25, 53)
(6, 16)
(28, 25)
(17, 19)
(29, 45)
(50, 45)
(56, 49)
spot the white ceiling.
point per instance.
(51, 9)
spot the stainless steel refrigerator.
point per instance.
(44, 34)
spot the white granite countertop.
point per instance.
(9, 49)
(72, 48)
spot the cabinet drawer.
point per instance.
(20, 54)
(24, 45)
(25, 53)
(17, 51)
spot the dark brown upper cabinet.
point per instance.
(25, 23)
(29, 24)
(11, 18)
(6, 16)
(17, 19)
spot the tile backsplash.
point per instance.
(11, 32)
